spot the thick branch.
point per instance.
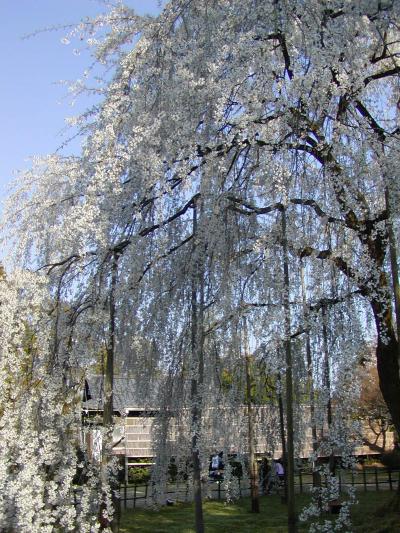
(341, 264)
(382, 74)
(278, 206)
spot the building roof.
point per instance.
(129, 394)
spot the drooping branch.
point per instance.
(118, 248)
(151, 263)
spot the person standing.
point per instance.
(280, 472)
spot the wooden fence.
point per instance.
(366, 479)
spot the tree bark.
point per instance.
(387, 351)
(255, 502)
(327, 383)
(292, 517)
(394, 266)
(310, 376)
(197, 374)
(282, 432)
(108, 407)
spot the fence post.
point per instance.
(134, 496)
(340, 480)
(390, 479)
(376, 479)
(352, 477)
(240, 487)
(364, 479)
(300, 481)
(126, 480)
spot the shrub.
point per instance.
(139, 475)
(237, 468)
(172, 471)
(391, 459)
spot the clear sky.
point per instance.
(33, 105)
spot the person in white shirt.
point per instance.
(279, 470)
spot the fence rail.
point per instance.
(366, 479)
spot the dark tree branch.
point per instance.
(381, 75)
(278, 206)
(341, 264)
(151, 263)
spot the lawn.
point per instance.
(236, 518)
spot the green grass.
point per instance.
(373, 514)
(236, 518)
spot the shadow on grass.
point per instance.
(377, 513)
(220, 517)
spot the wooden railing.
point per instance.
(366, 479)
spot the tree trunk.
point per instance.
(393, 265)
(255, 503)
(310, 376)
(108, 404)
(327, 383)
(282, 432)
(387, 354)
(395, 282)
(197, 375)
(292, 518)
(388, 369)
(327, 370)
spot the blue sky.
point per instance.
(33, 105)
